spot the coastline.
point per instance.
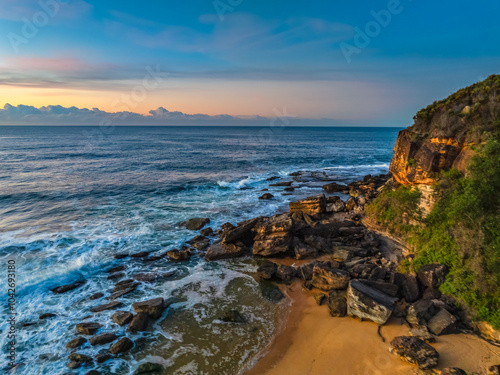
(314, 343)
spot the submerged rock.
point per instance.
(66, 288)
(88, 328)
(195, 223)
(233, 316)
(415, 351)
(271, 292)
(266, 196)
(149, 368)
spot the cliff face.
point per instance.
(444, 133)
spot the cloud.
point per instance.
(59, 115)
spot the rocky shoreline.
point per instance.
(351, 270)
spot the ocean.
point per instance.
(71, 197)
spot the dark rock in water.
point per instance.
(334, 187)
(442, 323)
(415, 351)
(267, 270)
(106, 306)
(326, 278)
(233, 316)
(88, 328)
(271, 292)
(411, 290)
(201, 245)
(122, 317)
(432, 275)
(289, 188)
(454, 371)
(96, 296)
(79, 358)
(66, 288)
(46, 316)
(337, 303)
(122, 292)
(494, 370)
(116, 269)
(116, 276)
(366, 302)
(74, 365)
(93, 372)
(284, 183)
(273, 178)
(139, 323)
(121, 346)
(153, 307)
(195, 223)
(266, 196)
(431, 293)
(225, 251)
(311, 205)
(421, 312)
(120, 255)
(207, 232)
(286, 273)
(178, 255)
(141, 254)
(102, 339)
(103, 356)
(303, 251)
(148, 277)
(123, 283)
(149, 368)
(319, 298)
(79, 341)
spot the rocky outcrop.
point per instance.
(444, 133)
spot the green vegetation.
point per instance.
(462, 231)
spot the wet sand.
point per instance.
(314, 343)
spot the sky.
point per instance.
(318, 62)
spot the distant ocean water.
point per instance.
(71, 197)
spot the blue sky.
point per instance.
(254, 59)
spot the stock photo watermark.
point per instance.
(11, 313)
(223, 7)
(372, 29)
(48, 9)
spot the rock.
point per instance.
(319, 298)
(271, 292)
(242, 232)
(415, 351)
(225, 251)
(96, 296)
(122, 292)
(284, 183)
(494, 370)
(273, 244)
(303, 251)
(366, 302)
(266, 196)
(93, 372)
(149, 368)
(267, 270)
(73, 365)
(121, 346)
(432, 275)
(46, 316)
(79, 358)
(286, 273)
(103, 356)
(120, 255)
(79, 341)
(337, 303)
(233, 316)
(66, 288)
(195, 223)
(154, 307)
(336, 206)
(387, 288)
(88, 328)
(116, 276)
(305, 271)
(454, 371)
(311, 205)
(107, 306)
(411, 290)
(422, 333)
(421, 312)
(350, 204)
(325, 278)
(116, 269)
(148, 277)
(207, 232)
(122, 317)
(178, 255)
(431, 293)
(102, 339)
(334, 187)
(319, 243)
(442, 323)
(139, 323)
(201, 245)
(141, 254)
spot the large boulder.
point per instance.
(366, 302)
(102, 339)
(242, 232)
(420, 312)
(122, 317)
(442, 323)
(432, 275)
(411, 289)
(312, 205)
(225, 251)
(415, 351)
(273, 244)
(337, 304)
(154, 307)
(326, 278)
(303, 250)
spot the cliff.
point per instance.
(444, 134)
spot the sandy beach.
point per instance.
(314, 343)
